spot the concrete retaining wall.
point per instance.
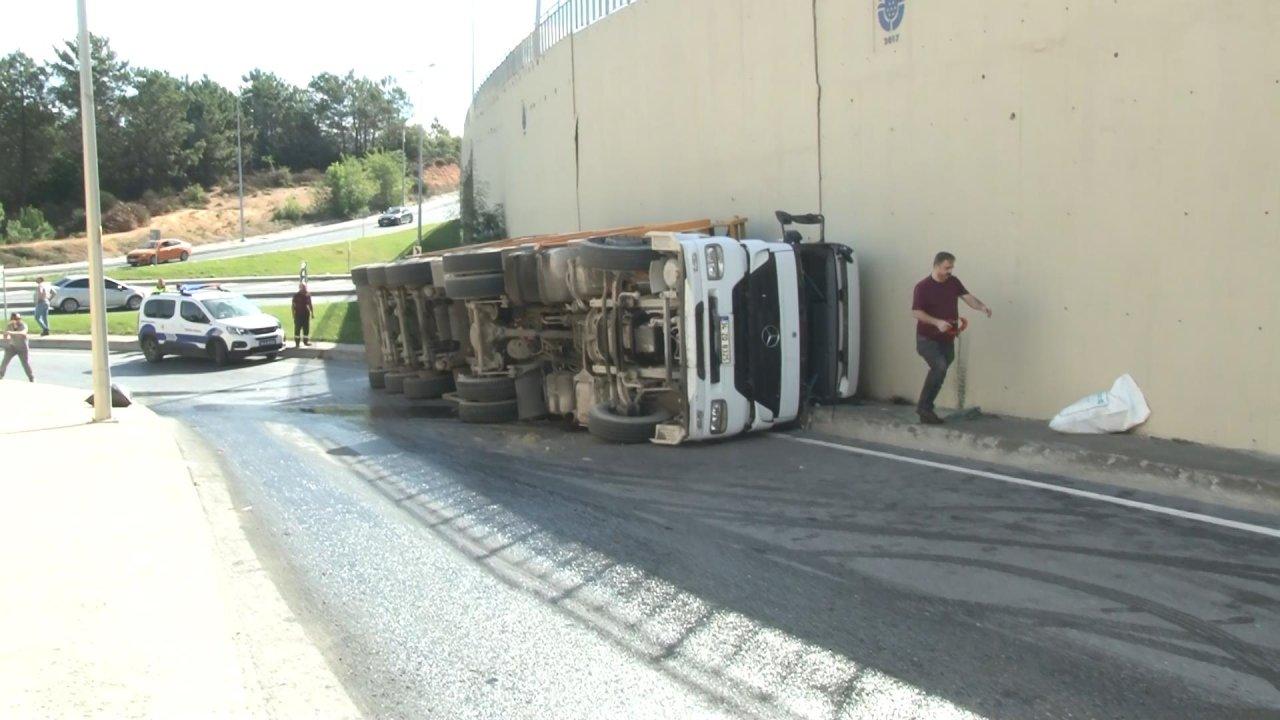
(1108, 174)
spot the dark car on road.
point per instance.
(395, 216)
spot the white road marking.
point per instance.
(1149, 507)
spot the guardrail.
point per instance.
(558, 23)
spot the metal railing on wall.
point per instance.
(558, 23)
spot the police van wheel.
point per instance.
(151, 349)
(221, 356)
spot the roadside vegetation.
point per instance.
(167, 144)
(330, 259)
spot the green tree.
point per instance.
(1, 222)
(112, 83)
(387, 171)
(349, 187)
(28, 225)
(156, 136)
(211, 113)
(27, 128)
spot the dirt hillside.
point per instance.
(219, 220)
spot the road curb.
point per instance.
(124, 344)
(1257, 482)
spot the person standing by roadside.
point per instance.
(936, 310)
(43, 297)
(15, 343)
(303, 311)
(160, 286)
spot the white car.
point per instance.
(206, 321)
(73, 294)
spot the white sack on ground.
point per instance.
(1117, 410)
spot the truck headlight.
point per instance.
(719, 416)
(715, 262)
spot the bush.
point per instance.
(290, 211)
(106, 201)
(349, 187)
(310, 176)
(28, 225)
(194, 196)
(387, 170)
(157, 204)
(275, 177)
(74, 224)
(126, 216)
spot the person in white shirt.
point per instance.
(43, 298)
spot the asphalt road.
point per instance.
(434, 210)
(528, 571)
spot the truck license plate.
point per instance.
(726, 340)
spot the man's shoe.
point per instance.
(296, 344)
(306, 342)
(929, 417)
(43, 333)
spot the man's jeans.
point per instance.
(939, 355)
(42, 315)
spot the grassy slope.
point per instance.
(321, 260)
(334, 322)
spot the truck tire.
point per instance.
(619, 252)
(485, 261)
(608, 425)
(395, 381)
(428, 387)
(414, 273)
(488, 412)
(377, 379)
(377, 275)
(474, 287)
(485, 389)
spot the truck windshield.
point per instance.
(757, 323)
(230, 307)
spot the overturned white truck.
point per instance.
(660, 333)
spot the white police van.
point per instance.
(206, 321)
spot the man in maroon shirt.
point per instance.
(934, 306)
(303, 311)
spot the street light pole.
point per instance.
(404, 164)
(93, 227)
(420, 134)
(240, 167)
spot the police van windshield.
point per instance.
(230, 306)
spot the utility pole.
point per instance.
(404, 164)
(240, 167)
(93, 226)
(420, 134)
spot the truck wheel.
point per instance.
(487, 261)
(377, 379)
(485, 389)
(151, 349)
(608, 425)
(474, 287)
(488, 412)
(429, 387)
(620, 252)
(394, 381)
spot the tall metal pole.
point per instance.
(404, 164)
(93, 226)
(420, 134)
(240, 167)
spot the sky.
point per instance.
(296, 40)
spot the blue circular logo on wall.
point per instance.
(890, 13)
